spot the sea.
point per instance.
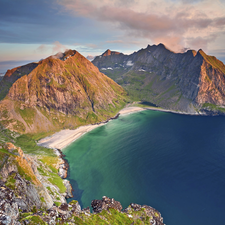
(172, 162)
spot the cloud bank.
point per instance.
(178, 24)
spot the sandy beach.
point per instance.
(63, 138)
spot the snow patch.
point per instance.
(129, 63)
(109, 68)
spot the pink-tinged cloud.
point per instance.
(58, 47)
(174, 27)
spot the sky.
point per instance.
(31, 30)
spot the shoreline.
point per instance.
(171, 111)
(63, 138)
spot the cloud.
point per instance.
(58, 47)
(174, 23)
(200, 42)
(42, 48)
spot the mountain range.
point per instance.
(191, 82)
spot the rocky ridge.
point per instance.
(190, 82)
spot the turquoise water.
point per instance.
(174, 163)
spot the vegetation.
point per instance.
(56, 180)
(213, 107)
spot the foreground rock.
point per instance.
(105, 204)
(106, 211)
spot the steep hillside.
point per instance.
(63, 91)
(187, 82)
(13, 75)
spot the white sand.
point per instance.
(129, 110)
(63, 138)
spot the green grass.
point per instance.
(29, 145)
(10, 183)
(213, 107)
(34, 220)
(114, 217)
(42, 199)
(57, 203)
(56, 180)
(51, 192)
(51, 162)
(168, 90)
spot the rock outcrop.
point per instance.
(105, 204)
(30, 181)
(71, 213)
(176, 81)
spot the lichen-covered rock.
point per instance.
(75, 207)
(153, 214)
(105, 204)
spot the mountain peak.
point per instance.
(63, 56)
(161, 45)
(192, 52)
(109, 52)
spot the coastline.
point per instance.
(63, 138)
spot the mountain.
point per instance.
(191, 82)
(62, 91)
(1, 76)
(13, 75)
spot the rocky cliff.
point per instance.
(188, 82)
(61, 91)
(27, 183)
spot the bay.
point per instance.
(174, 163)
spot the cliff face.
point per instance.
(178, 81)
(65, 90)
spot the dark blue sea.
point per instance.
(174, 163)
